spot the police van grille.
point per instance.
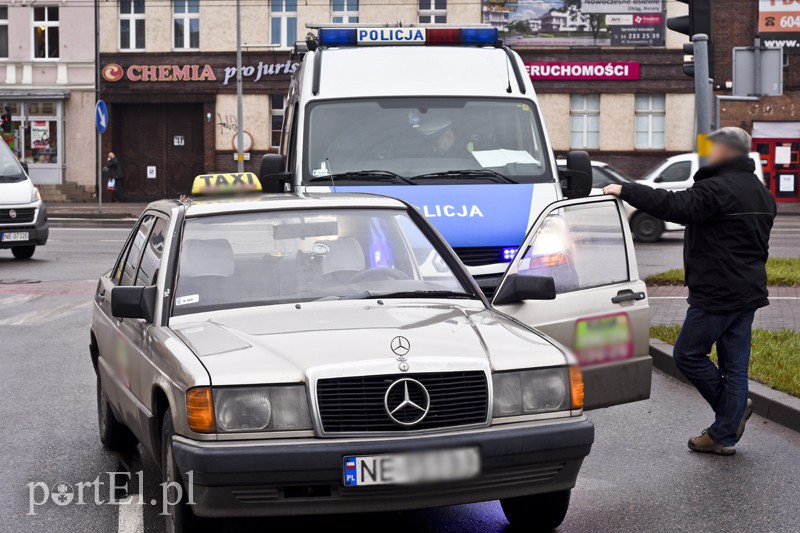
(23, 215)
(356, 404)
(484, 255)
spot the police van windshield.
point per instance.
(10, 169)
(425, 140)
(262, 258)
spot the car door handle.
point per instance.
(628, 297)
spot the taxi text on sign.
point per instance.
(221, 183)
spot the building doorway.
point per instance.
(778, 143)
(160, 147)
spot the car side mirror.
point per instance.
(272, 173)
(518, 288)
(134, 302)
(576, 179)
(659, 179)
(24, 165)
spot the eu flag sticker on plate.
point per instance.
(350, 472)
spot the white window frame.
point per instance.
(4, 22)
(276, 112)
(132, 17)
(650, 113)
(186, 17)
(348, 15)
(47, 24)
(431, 11)
(584, 111)
(283, 15)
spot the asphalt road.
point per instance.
(639, 477)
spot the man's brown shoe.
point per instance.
(705, 444)
(748, 410)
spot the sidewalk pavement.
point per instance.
(789, 208)
(668, 306)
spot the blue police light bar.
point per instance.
(406, 36)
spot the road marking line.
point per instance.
(8, 301)
(34, 318)
(131, 516)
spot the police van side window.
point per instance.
(680, 171)
(127, 271)
(580, 247)
(151, 257)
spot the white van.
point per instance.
(444, 118)
(23, 215)
(674, 173)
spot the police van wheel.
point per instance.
(646, 228)
(179, 517)
(537, 513)
(113, 434)
(23, 252)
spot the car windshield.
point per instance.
(261, 258)
(621, 176)
(650, 174)
(10, 169)
(425, 140)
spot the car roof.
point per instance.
(380, 71)
(268, 202)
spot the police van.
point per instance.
(441, 117)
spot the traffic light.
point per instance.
(7, 126)
(697, 21)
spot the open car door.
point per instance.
(599, 307)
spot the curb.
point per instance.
(74, 222)
(773, 405)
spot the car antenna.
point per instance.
(330, 174)
(508, 76)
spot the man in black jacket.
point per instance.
(728, 215)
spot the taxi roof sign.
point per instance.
(220, 183)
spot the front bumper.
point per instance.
(38, 231)
(304, 476)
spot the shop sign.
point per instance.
(586, 23)
(40, 135)
(779, 24)
(583, 71)
(137, 73)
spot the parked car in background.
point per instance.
(23, 215)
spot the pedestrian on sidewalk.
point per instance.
(728, 215)
(115, 176)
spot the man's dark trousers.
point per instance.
(724, 388)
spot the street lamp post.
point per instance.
(239, 104)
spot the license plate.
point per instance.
(15, 236)
(404, 469)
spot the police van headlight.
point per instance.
(531, 392)
(279, 408)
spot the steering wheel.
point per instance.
(379, 274)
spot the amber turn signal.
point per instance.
(200, 410)
(576, 387)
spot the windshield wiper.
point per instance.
(364, 175)
(455, 174)
(420, 294)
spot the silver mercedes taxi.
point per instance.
(310, 354)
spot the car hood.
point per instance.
(16, 193)
(282, 343)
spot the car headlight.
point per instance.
(531, 391)
(246, 409)
(35, 196)
(279, 408)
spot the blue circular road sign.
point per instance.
(101, 116)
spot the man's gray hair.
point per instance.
(735, 138)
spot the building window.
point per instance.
(650, 121)
(584, 121)
(45, 32)
(277, 113)
(433, 11)
(345, 11)
(186, 18)
(3, 32)
(131, 25)
(283, 23)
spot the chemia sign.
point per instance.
(112, 72)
